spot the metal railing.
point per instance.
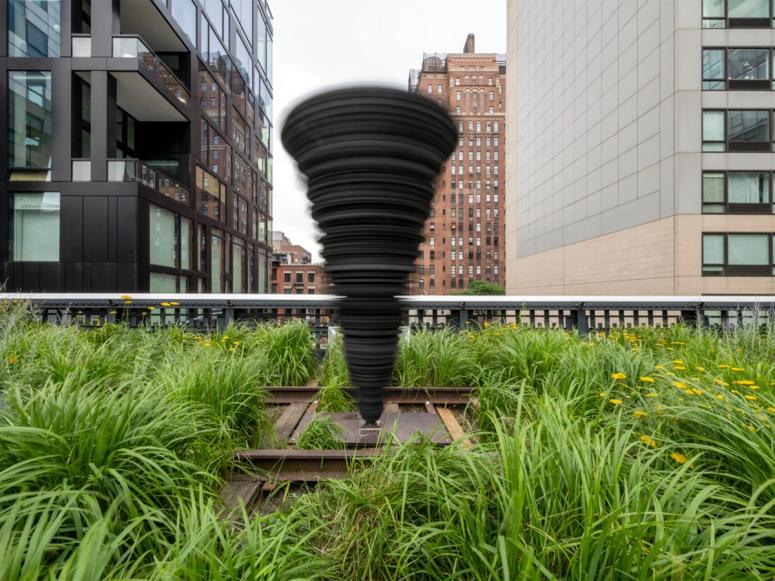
(132, 46)
(583, 313)
(135, 170)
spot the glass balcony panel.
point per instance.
(81, 170)
(122, 170)
(81, 46)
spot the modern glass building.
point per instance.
(135, 145)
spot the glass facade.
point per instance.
(192, 243)
(184, 13)
(33, 28)
(29, 119)
(35, 227)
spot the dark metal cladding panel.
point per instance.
(95, 229)
(103, 277)
(71, 228)
(74, 277)
(126, 233)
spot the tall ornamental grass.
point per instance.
(639, 454)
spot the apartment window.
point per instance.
(210, 195)
(162, 237)
(311, 277)
(737, 192)
(238, 266)
(33, 28)
(184, 13)
(29, 119)
(216, 262)
(35, 227)
(736, 68)
(287, 277)
(736, 130)
(736, 13)
(738, 254)
(212, 98)
(216, 152)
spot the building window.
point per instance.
(35, 227)
(736, 13)
(163, 238)
(210, 195)
(29, 119)
(184, 13)
(33, 28)
(736, 130)
(238, 266)
(738, 254)
(736, 68)
(737, 192)
(311, 277)
(216, 262)
(287, 277)
(212, 99)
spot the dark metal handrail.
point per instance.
(570, 312)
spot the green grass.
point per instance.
(321, 434)
(645, 454)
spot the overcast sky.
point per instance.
(324, 43)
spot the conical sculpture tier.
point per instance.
(370, 156)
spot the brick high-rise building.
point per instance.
(293, 271)
(464, 237)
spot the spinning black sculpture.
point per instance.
(370, 156)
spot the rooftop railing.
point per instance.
(583, 313)
(135, 170)
(132, 46)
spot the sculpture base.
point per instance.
(401, 426)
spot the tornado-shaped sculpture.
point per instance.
(370, 156)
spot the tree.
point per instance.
(482, 287)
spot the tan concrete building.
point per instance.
(464, 236)
(639, 147)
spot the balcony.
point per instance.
(135, 170)
(133, 47)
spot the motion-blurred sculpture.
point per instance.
(370, 156)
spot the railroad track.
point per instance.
(434, 412)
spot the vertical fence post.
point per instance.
(579, 318)
(462, 318)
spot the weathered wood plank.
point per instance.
(287, 422)
(453, 427)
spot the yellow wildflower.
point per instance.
(744, 382)
(738, 369)
(618, 376)
(151, 308)
(720, 397)
(174, 304)
(723, 366)
(700, 369)
(125, 297)
(695, 391)
(659, 367)
(127, 302)
(751, 397)
(648, 440)
(771, 409)
(647, 379)
(639, 414)
(679, 384)
(165, 305)
(680, 368)
(616, 401)
(678, 361)
(721, 382)
(11, 359)
(651, 394)
(753, 387)
(678, 457)
(751, 428)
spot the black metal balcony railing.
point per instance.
(566, 312)
(132, 46)
(135, 170)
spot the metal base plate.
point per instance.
(402, 427)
